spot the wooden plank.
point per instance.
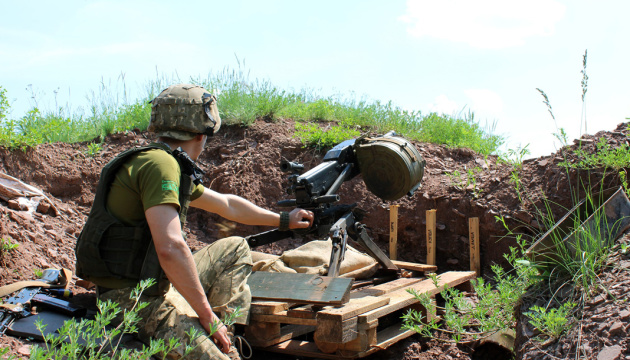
(414, 266)
(387, 287)
(365, 340)
(353, 308)
(392, 335)
(339, 325)
(431, 215)
(386, 338)
(258, 333)
(282, 318)
(299, 288)
(302, 312)
(473, 230)
(402, 298)
(268, 307)
(286, 333)
(300, 349)
(393, 232)
(335, 331)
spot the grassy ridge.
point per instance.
(242, 101)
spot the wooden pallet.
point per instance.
(353, 330)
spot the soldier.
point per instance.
(134, 230)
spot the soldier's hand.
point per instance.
(220, 337)
(300, 218)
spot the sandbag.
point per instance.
(391, 166)
(313, 258)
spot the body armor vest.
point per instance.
(107, 248)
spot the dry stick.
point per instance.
(393, 231)
(473, 230)
(431, 215)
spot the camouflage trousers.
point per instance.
(223, 268)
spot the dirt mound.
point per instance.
(458, 183)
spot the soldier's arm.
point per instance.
(178, 264)
(235, 208)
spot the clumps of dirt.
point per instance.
(458, 183)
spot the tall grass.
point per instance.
(242, 101)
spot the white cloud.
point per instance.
(484, 101)
(483, 23)
(443, 105)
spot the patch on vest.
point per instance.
(168, 185)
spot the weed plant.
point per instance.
(463, 320)
(467, 182)
(6, 245)
(515, 159)
(552, 323)
(93, 149)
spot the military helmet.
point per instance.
(184, 110)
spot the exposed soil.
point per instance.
(245, 161)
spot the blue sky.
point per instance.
(485, 56)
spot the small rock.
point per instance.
(24, 350)
(524, 217)
(48, 226)
(616, 329)
(14, 205)
(452, 261)
(587, 348)
(482, 163)
(43, 207)
(601, 310)
(610, 353)
(598, 299)
(624, 315)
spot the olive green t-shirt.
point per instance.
(147, 179)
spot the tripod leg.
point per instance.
(364, 239)
(335, 260)
(337, 253)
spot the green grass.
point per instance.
(242, 101)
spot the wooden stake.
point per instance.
(393, 231)
(431, 214)
(473, 231)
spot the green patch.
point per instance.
(169, 185)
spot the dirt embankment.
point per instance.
(458, 183)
